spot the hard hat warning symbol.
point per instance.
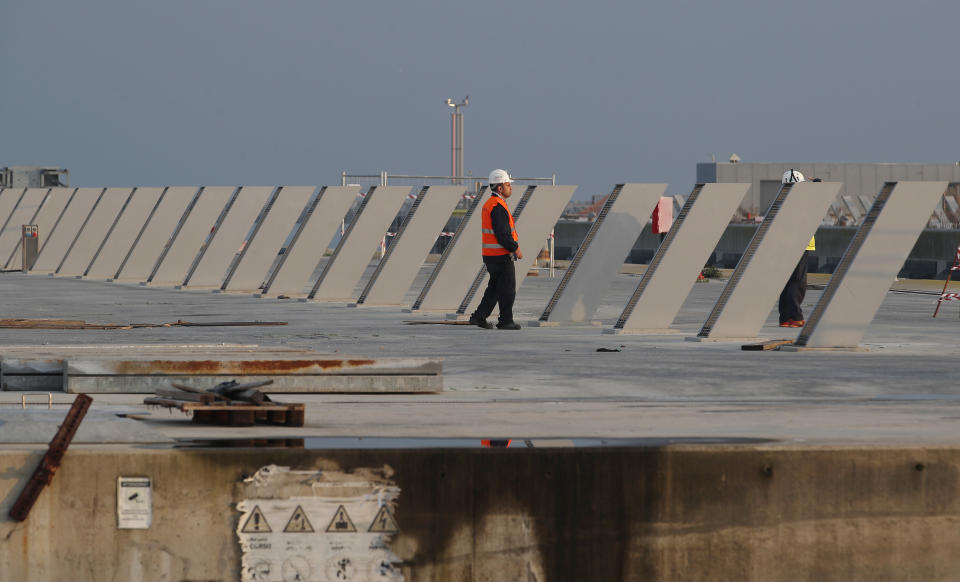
(298, 522)
(257, 522)
(341, 522)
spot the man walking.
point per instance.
(499, 250)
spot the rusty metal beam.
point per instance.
(51, 460)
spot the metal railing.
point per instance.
(472, 183)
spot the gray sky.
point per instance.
(127, 93)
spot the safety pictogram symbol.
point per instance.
(298, 522)
(257, 522)
(341, 522)
(384, 522)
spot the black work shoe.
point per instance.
(508, 325)
(480, 322)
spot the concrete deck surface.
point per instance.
(536, 383)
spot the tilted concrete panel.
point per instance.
(8, 201)
(219, 252)
(12, 232)
(154, 238)
(685, 249)
(535, 218)
(450, 279)
(780, 240)
(49, 213)
(265, 243)
(870, 264)
(421, 227)
(191, 233)
(124, 233)
(54, 249)
(602, 252)
(94, 231)
(356, 248)
(311, 240)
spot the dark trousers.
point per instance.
(501, 289)
(794, 291)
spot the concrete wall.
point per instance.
(682, 512)
(930, 258)
(858, 179)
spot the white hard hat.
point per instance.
(791, 176)
(499, 177)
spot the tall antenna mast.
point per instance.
(456, 138)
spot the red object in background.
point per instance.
(663, 215)
(494, 443)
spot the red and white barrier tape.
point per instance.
(441, 234)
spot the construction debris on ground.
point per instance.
(229, 404)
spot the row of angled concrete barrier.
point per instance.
(189, 237)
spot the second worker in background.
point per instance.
(500, 249)
(791, 298)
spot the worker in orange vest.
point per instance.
(499, 249)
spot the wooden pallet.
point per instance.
(228, 414)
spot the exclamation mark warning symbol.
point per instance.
(257, 522)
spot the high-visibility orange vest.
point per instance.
(492, 248)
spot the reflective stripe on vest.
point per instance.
(490, 246)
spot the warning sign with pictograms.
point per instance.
(341, 522)
(298, 522)
(315, 525)
(256, 523)
(384, 522)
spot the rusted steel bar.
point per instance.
(51, 460)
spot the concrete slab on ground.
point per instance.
(106, 425)
(548, 382)
(93, 369)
